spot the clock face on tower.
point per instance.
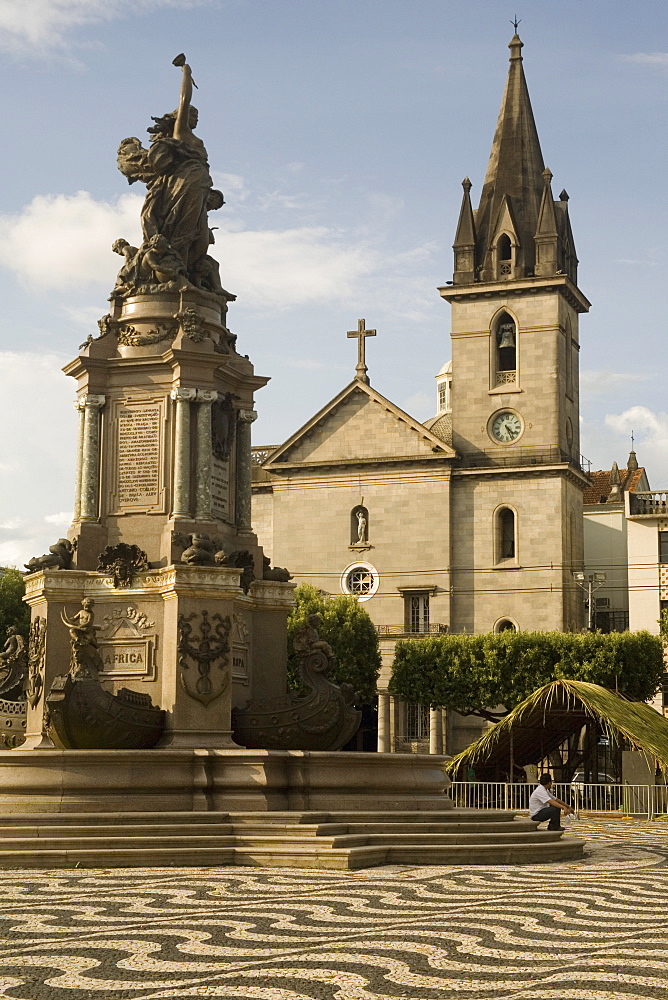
(505, 427)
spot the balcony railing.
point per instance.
(648, 504)
(506, 378)
(434, 628)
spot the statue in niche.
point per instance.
(85, 659)
(175, 170)
(359, 526)
(13, 664)
(59, 556)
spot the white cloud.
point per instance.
(230, 182)
(64, 518)
(598, 383)
(281, 268)
(38, 452)
(650, 431)
(658, 59)
(40, 26)
(64, 241)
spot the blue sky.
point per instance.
(340, 132)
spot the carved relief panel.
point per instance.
(203, 650)
(222, 463)
(128, 642)
(240, 641)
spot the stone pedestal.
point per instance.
(171, 780)
(163, 464)
(187, 636)
(164, 442)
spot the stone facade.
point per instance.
(474, 518)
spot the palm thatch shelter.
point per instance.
(556, 712)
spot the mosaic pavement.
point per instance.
(592, 929)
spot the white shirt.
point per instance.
(540, 797)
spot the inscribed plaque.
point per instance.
(220, 488)
(139, 451)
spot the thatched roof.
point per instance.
(556, 711)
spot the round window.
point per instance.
(505, 625)
(360, 580)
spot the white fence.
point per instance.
(622, 800)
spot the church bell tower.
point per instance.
(517, 493)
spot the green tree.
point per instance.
(13, 610)
(473, 674)
(346, 626)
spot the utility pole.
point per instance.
(589, 583)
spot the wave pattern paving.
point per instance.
(592, 929)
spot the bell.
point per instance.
(506, 335)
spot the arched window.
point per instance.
(505, 625)
(505, 247)
(505, 546)
(505, 350)
(359, 526)
(504, 256)
(568, 367)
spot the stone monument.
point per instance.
(156, 673)
(162, 538)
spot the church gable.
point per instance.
(359, 425)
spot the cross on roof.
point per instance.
(516, 23)
(361, 333)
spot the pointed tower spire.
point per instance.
(514, 175)
(464, 245)
(615, 494)
(547, 231)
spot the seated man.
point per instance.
(544, 806)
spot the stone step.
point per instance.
(390, 839)
(455, 854)
(379, 815)
(104, 843)
(103, 830)
(341, 840)
(116, 819)
(334, 829)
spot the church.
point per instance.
(471, 521)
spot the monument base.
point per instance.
(182, 780)
(270, 808)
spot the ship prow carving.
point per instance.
(81, 715)
(323, 719)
